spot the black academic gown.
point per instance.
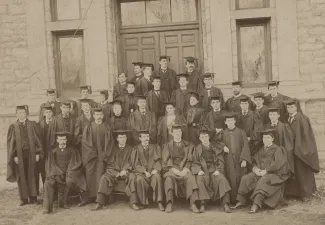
(169, 81)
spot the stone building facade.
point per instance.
(292, 47)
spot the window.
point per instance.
(65, 9)
(157, 12)
(254, 51)
(249, 4)
(70, 72)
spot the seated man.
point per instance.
(270, 171)
(208, 165)
(178, 179)
(118, 168)
(146, 159)
(64, 172)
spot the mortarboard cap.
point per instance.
(123, 132)
(156, 78)
(137, 64)
(143, 132)
(258, 95)
(141, 97)
(164, 57)
(290, 102)
(86, 87)
(234, 83)
(169, 103)
(267, 132)
(85, 100)
(190, 59)
(117, 102)
(25, 107)
(215, 98)
(48, 106)
(208, 75)
(274, 109)
(98, 110)
(50, 91)
(274, 83)
(62, 134)
(131, 82)
(204, 131)
(66, 102)
(176, 126)
(144, 65)
(244, 98)
(230, 115)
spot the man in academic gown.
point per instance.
(146, 160)
(44, 126)
(129, 101)
(62, 122)
(105, 104)
(283, 135)
(164, 129)
(233, 103)
(118, 168)
(51, 100)
(250, 122)
(64, 173)
(119, 89)
(237, 154)
(181, 96)
(169, 81)
(275, 99)
(208, 165)
(261, 109)
(214, 121)
(142, 119)
(82, 121)
(210, 91)
(85, 92)
(266, 181)
(146, 81)
(24, 151)
(178, 179)
(156, 98)
(195, 81)
(194, 118)
(137, 68)
(97, 148)
(305, 154)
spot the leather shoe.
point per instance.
(194, 209)
(237, 206)
(169, 207)
(161, 206)
(226, 208)
(97, 207)
(202, 208)
(135, 207)
(254, 209)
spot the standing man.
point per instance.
(51, 100)
(146, 160)
(233, 103)
(105, 104)
(129, 101)
(62, 122)
(97, 147)
(261, 109)
(237, 154)
(119, 89)
(275, 99)
(85, 92)
(181, 96)
(142, 119)
(194, 78)
(64, 172)
(178, 178)
(210, 91)
(24, 148)
(137, 68)
(146, 80)
(156, 98)
(169, 81)
(305, 154)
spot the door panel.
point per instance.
(142, 47)
(179, 44)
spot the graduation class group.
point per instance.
(164, 137)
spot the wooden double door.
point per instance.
(147, 47)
